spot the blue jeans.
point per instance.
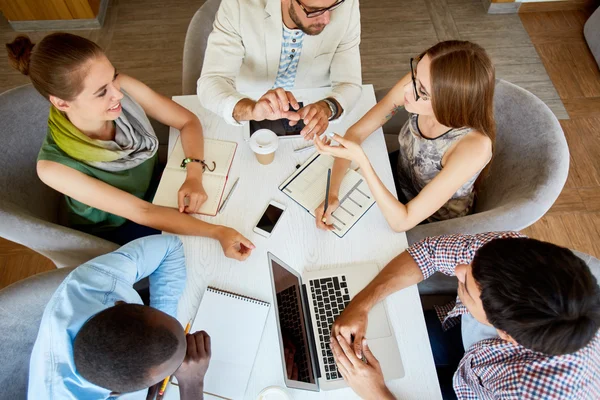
(447, 351)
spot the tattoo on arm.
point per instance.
(392, 112)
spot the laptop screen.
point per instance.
(296, 357)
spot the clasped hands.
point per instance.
(279, 103)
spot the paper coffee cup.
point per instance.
(273, 393)
(263, 143)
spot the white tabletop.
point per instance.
(299, 243)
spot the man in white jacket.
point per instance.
(276, 46)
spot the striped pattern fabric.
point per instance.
(495, 368)
(291, 48)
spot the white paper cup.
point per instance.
(273, 393)
(263, 143)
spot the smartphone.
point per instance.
(281, 127)
(269, 219)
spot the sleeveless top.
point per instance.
(420, 160)
(80, 216)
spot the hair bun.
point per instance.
(19, 53)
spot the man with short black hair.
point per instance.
(97, 340)
(276, 46)
(539, 303)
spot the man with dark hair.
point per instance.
(276, 46)
(539, 303)
(97, 340)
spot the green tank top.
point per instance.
(135, 181)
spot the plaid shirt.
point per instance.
(495, 368)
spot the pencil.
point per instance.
(163, 387)
(324, 219)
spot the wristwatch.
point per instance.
(332, 107)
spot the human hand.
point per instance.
(195, 364)
(316, 119)
(194, 191)
(352, 325)
(334, 203)
(347, 149)
(275, 104)
(365, 378)
(234, 244)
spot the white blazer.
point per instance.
(244, 47)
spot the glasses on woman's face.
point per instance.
(316, 13)
(413, 75)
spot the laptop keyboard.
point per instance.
(330, 298)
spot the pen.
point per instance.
(228, 195)
(163, 387)
(324, 219)
(310, 146)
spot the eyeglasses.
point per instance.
(316, 13)
(414, 81)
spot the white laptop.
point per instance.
(306, 307)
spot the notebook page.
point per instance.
(309, 185)
(219, 151)
(171, 181)
(235, 327)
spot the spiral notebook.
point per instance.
(220, 153)
(235, 324)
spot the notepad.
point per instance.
(307, 187)
(218, 151)
(235, 324)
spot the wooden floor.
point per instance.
(574, 220)
(144, 38)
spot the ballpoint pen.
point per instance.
(324, 219)
(228, 195)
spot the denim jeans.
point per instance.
(447, 351)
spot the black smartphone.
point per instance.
(281, 127)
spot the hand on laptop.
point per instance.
(275, 104)
(316, 119)
(190, 374)
(352, 324)
(234, 244)
(365, 378)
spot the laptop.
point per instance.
(307, 305)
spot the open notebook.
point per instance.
(218, 151)
(235, 324)
(307, 187)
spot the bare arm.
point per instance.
(172, 114)
(102, 196)
(470, 155)
(400, 273)
(371, 121)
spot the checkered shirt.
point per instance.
(495, 368)
(291, 48)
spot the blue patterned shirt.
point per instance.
(291, 48)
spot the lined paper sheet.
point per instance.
(308, 184)
(219, 151)
(235, 325)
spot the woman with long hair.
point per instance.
(445, 146)
(100, 150)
